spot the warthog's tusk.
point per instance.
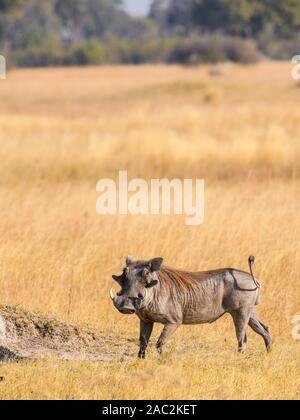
(111, 294)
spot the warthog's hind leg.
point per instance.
(168, 330)
(241, 318)
(145, 333)
(260, 329)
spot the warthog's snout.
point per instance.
(126, 305)
(127, 311)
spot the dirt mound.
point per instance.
(24, 335)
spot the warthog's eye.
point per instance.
(139, 274)
(140, 296)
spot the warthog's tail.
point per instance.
(251, 262)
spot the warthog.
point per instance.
(156, 293)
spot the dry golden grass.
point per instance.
(61, 130)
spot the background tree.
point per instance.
(52, 32)
(246, 18)
(6, 5)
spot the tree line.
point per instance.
(79, 32)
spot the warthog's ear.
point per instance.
(155, 264)
(147, 278)
(118, 279)
(129, 260)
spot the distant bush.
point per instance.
(90, 52)
(280, 49)
(213, 49)
(48, 53)
(148, 52)
(194, 51)
(137, 52)
(241, 51)
(206, 49)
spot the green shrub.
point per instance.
(48, 53)
(90, 52)
(137, 52)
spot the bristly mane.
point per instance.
(184, 286)
(184, 278)
(171, 277)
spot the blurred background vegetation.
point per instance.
(82, 32)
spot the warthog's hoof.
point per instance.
(142, 354)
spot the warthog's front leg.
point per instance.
(145, 333)
(168, 330)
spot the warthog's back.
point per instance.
(205, 296)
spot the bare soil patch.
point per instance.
(24, 335)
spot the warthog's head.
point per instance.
(136, 281)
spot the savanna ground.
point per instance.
(61, 130)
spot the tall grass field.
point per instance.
(236, 127)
